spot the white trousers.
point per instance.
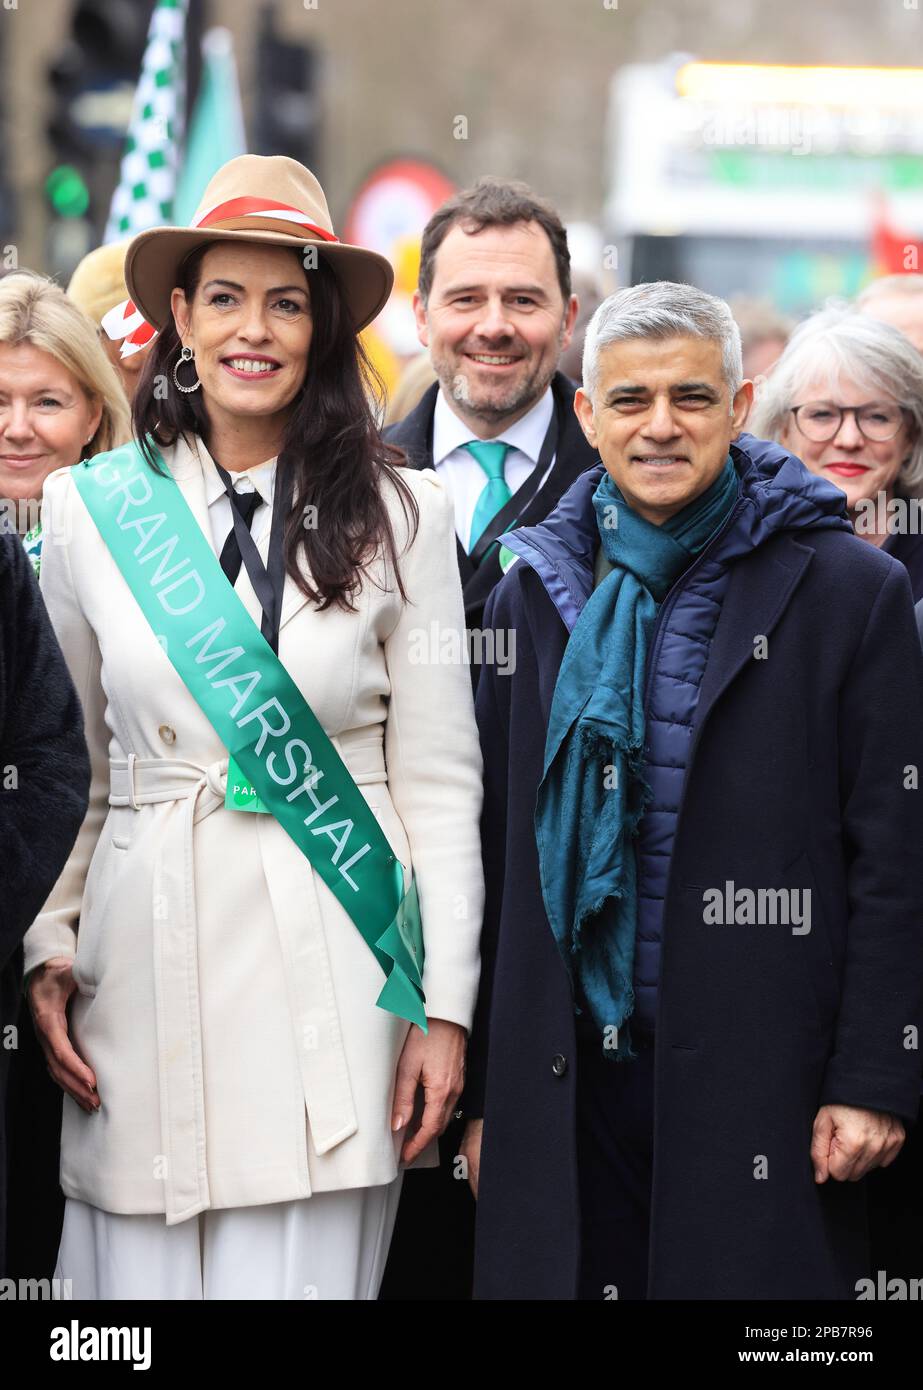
(333, 1245)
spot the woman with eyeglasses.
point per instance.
(846, 396)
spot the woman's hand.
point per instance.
(50, 987)
(435, 1061)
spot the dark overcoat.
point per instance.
(803, 771)
(44, 787)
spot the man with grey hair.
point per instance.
(701, 967)
(898, 300)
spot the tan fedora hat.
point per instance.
(258, 198)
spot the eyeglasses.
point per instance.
(820, 422)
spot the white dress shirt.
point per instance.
(462, 475)
(259, 479)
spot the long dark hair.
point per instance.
(331, 444)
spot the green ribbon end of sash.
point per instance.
(400, 954)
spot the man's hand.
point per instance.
(847, 1142)
(435, 1061)
(50, 987)
(470, 1150)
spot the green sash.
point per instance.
(256, 709)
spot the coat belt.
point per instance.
(195, 792)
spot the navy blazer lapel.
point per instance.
(414, 434)
(477, 583)
(761, 587)
(465, 567)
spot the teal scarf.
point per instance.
(592, 796)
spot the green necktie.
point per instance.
(496, 493)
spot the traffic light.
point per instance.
(287, 116)
(93, 77)
(67, 191)
(92, 81)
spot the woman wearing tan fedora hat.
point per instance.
(254, 978)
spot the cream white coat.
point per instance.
(226, 1001)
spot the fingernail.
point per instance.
(397, 1124)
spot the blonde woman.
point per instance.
(60, 398)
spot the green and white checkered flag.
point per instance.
(154, 147)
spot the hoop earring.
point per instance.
(185, 356)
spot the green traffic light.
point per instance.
(67, 191)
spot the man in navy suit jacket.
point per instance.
(495, 309)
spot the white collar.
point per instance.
(261, 478)
(527, 434)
